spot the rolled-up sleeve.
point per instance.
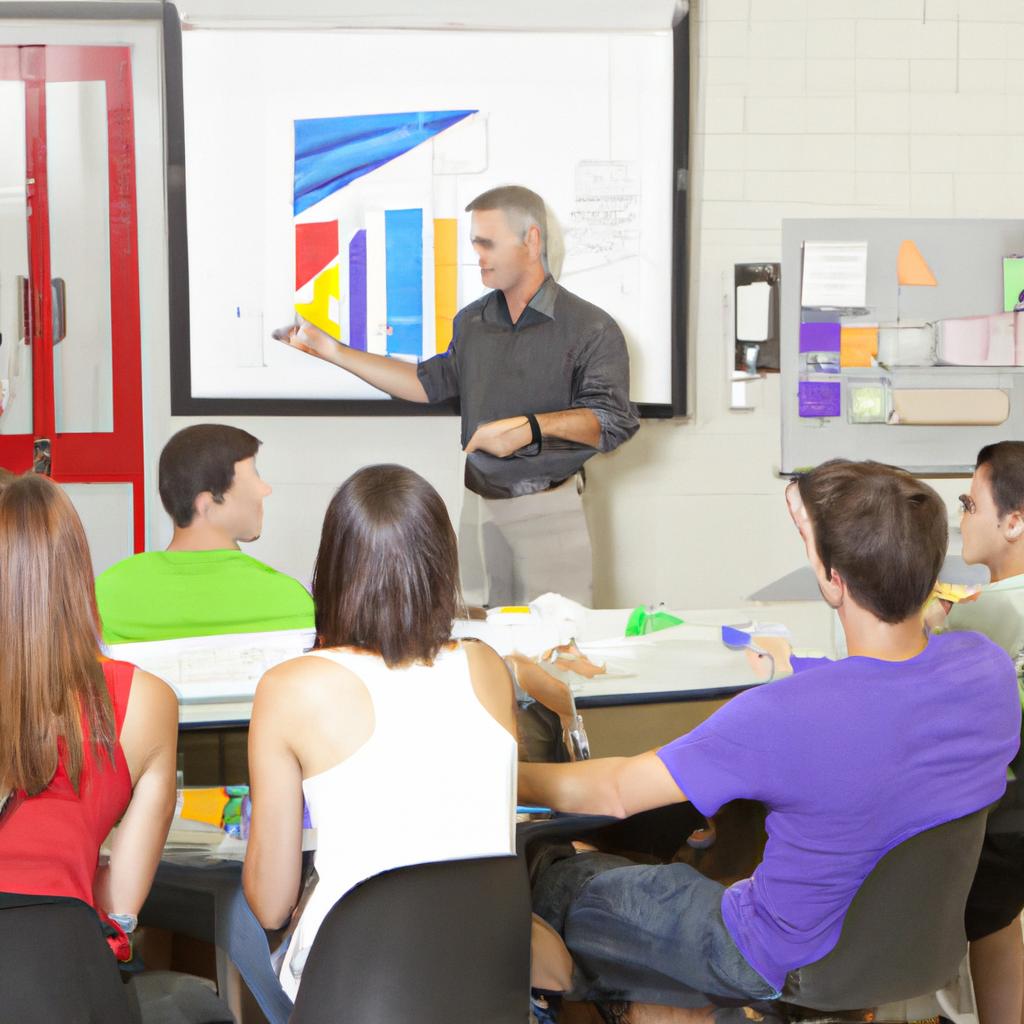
(601, 384)
(439, 375)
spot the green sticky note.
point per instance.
(1013, 282)
(867, 404)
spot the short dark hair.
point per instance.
(885, 531)
(386, 577)
(197, 459)
(1005, 461)
(523, 207)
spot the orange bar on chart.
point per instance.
(446, 278)
(857, 346)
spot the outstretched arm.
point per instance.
(398, 378)
(617, 786)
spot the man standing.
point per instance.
(542, 378)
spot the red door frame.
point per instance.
(117, 456)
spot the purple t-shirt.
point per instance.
(850, 757)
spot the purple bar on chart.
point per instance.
(819, 398)
(403, 251)
(819, 337)
(357, 290)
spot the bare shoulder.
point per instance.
(491, 682)
(309, 684)
(151, 700)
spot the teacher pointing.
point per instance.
(542, 378)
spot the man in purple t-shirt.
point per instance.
(850, 758)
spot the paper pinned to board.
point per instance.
(835, 274)
(912, 268)
(858, 346)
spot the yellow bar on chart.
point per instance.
(446, 278)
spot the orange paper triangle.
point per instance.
(911, 267)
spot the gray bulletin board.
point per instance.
(966, 258)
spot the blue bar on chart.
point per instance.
(403, 245)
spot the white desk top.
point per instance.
(216, 677)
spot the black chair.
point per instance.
(444, 943)
(903, 935)
(56, 966)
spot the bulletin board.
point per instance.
(327, 172)
(966, 260)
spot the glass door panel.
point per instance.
(106, 513)
(15, 300)
(78, 192)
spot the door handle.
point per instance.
(24, 311)
(41, 456)
(59, 309)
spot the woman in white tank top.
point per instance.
(387, 726)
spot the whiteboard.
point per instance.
(583, 119)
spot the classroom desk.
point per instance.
(626, 716)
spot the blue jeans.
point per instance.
(645, 933)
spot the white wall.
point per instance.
(801, 108)
(806, 108)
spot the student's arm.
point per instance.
(617, 786)
(273, 858)
(149, 738)
(398, 378)
(492, 684)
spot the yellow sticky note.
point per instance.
(857, 346)
(911, 267)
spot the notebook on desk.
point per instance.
(213, 669)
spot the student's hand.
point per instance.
(501, 437)
(307, 338)
(572, 659)
(935, 614)
(778, 647)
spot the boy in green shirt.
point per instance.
(992, 527)
(203, 585)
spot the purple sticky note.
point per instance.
(819, 398)
(819, 337)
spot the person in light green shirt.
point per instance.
(992, 527)
(203, 585)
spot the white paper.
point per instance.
(753, 307)
(835, 274)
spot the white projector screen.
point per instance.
(584, 119)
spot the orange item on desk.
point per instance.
(205, 805)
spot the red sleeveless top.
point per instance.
(49, 843)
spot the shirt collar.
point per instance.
(539, 309)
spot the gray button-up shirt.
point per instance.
(562, 353)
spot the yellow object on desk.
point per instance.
(955, 592)
(206, 805)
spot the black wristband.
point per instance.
(536, 437)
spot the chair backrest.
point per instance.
(444, 943)
(55, 965)
(903, 935)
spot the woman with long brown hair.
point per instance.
(385, 718)
(85, 743)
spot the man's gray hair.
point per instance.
(524, 209)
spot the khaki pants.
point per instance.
(512, 550)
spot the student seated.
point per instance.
(376, 727)
(84, 743)
(850, 758)
(992, 527)
(203, 585)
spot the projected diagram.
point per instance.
(375, 266)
